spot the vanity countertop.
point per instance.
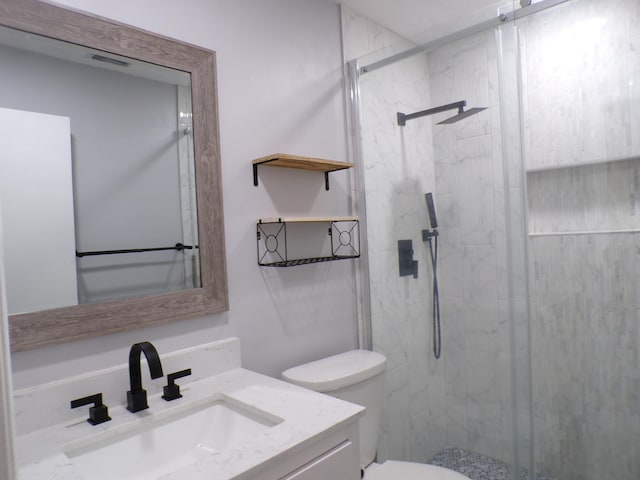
(306, 416)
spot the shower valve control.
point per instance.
(408, 266)
(429, 234)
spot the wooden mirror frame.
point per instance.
(59, 325)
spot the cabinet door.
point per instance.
(339, 463)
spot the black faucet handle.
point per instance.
(172, 389)
(99, 413)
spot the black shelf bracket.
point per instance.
(255, 176)
(300, 163)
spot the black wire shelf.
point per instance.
(344, 235)
(306, 261)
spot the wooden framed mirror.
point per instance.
(209, 295)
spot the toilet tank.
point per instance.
(355, 376)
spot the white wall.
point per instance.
(280, 90)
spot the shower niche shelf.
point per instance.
(584, 199)
(287, 242)
(581, 164)
(301, 163)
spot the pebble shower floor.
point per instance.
(476, 466)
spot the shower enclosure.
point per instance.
(538, 201)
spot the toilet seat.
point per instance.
(395, 470)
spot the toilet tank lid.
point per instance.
(337, 371)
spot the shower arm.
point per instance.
(403, 117)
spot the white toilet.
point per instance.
(357, 377)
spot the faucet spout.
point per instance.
(137, 396)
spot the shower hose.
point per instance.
(437, 334)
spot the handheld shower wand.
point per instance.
(432, 210)
(431, 236)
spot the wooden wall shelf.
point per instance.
(302, 163)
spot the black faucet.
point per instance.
(137, 396)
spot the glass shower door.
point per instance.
(455, 411)
(580, 84)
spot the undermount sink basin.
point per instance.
(164, 445)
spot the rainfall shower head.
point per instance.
(462, 115)
(403, 117)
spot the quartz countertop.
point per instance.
(306, 416)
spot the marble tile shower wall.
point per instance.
(586, 390)
(581, 94)
(473, 281)
(580, 91)
(398, 172)
(462, 399)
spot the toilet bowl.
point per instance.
(357, 376)
(395, 470)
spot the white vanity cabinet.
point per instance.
(336, 463)
(334, 457)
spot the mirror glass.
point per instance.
(96, 175)
(110, 183)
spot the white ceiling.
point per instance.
(409, 18)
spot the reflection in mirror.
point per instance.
(105, 143)
(109, 176)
